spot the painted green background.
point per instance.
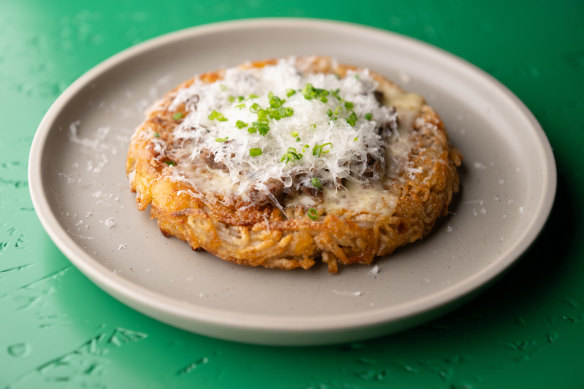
(58, 330)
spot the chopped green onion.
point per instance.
(312, 213)
(310, 92)
(178, 115)
(255, 151)
(349, 105)
(291, 155)
(231, 99)
(263, 115)
(355, 139)
(280, 112)
(329, 112)
(275, 101)
(294, 133)
(217, 115)
(290, 92)
(223, 87)
(368, 116)
(260, 127)
(170, 163)
(253, 96)
(317, 150)
(263, 128)
(240, 106)
(352, 119)
(356, 76)
(316, 183)
(240, 98)
(254, 107)
(156, 135)
(335, 93)
(313, 126)
(240, 124)
(222, 140)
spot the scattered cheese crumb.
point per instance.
(109, 223)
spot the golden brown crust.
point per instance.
(253, 235)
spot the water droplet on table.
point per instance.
(18, 350)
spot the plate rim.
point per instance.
(147, 300)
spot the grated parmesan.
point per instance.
(213, 109)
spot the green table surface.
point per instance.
(58, 330)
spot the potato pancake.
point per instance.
(281, 163)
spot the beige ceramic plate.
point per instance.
(80, 192)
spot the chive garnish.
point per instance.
(335, 93)
(317, 150)
(240, 124)
(291, 155)
(217, 116)
(352, 119)
(178, 115)
(316, 183)
(255, 151)
(261, 127)
(312, 213)
(254, 107)
(222, 140)
(310, 92)
(368, 116)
